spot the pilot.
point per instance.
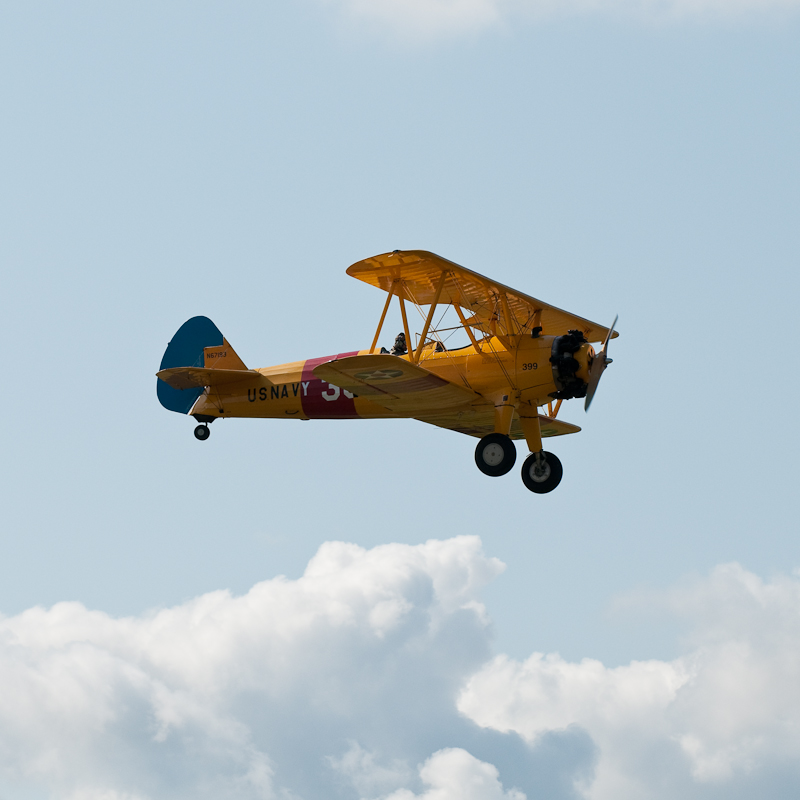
(400, 348)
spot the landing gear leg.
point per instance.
(541, 472)
(202, 432)
(532, 431)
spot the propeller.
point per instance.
(601, 361)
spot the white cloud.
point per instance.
(371, 677)
(437, 18)
(455, 774)
(252, 696)
(727, 711)
(367, 775)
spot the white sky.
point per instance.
(351, 610)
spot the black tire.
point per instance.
(202, 432)
(495, 455)
(543, 480)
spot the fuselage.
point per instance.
(516, 364)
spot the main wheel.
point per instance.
(544, 475)
(202, 432)
(495, 454)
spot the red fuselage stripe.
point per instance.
(323, 401)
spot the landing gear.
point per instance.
(202, 432)
(495, 454)
(541, 472)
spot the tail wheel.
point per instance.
(542, 472)
(495, 455)
(202, 432)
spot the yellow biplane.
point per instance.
(523, 358)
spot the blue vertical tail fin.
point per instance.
(187, 349)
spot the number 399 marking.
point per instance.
(530, 366)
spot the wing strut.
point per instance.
(467, 328)
(442, 281)
(405, 320)
(551, 412)
(507, 315)
(383, 317)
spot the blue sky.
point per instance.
(162, 161)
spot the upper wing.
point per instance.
(396, 384)
(479, 422)
(415, 275)
(193, 377)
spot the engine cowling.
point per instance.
(571, 359)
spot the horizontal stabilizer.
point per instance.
(395, 383)
(195, 377)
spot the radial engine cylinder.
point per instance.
(571, 359)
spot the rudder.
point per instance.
(187, 349)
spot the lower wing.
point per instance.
(396, 384)
(479, 422)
